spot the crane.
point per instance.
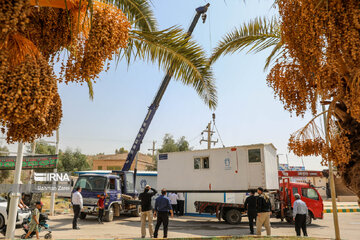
(200, 12)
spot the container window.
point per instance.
(254, 155)
(295, 190)
(201, 163)
(99, 167)
(206, 163)
(310, 193)
(196, 163)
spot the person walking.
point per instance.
(77, 202)
(34, 222)
(162, 209)
(174, 201)
(300, 210)
(146, 210)
(263, 208)
(250, 206)
(181, 204)
(101, 206)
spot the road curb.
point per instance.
(343, 210)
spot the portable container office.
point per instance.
(231, 169)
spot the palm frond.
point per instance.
(138, 12)
(91, 89)
(277, 50)
(257, 35)
(169, 50)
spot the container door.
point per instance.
(256, 176)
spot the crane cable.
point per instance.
(214, 124)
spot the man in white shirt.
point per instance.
(300, 211)
(77, 202)
(173, 200)
(181, 203)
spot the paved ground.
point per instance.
(129, 227)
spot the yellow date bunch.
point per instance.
(33, 34)
(13, 16)
(108, 34)
(321, 61)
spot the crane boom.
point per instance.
(156, 102)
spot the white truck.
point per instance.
(216, 181)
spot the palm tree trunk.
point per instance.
(350, 172)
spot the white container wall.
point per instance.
(237, 168)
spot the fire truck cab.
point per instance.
(308, 194)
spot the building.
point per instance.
(116, 162)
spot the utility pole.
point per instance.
(209, 132)
(15, 194)
(332, 181)
(52, 199)
(153, 149)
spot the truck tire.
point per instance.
(308, 218)
(289, 220)
(109, 215)
(233, 216)
(82, 215)
(2, 221)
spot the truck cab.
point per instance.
(308, 194)
(118, 187)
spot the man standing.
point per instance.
(263, 212)
(250, 206)
(181, 204)
(146, 210)
(300, 211)
(162, 209)
(77, 202)
(174, 202)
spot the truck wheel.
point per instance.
(109, 215)
(233, 216)
(308, 219)
(82, 215)
(289, 220)
(2, 221)
(136, 213)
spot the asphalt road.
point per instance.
(129, 227)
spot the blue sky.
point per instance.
(247, 112)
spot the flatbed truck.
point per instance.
(282, 201)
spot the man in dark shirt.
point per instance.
(146, 210)
(162, 209)
(250, 206)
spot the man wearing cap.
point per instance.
(146, 210)
(263, 212)
(300, 211)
